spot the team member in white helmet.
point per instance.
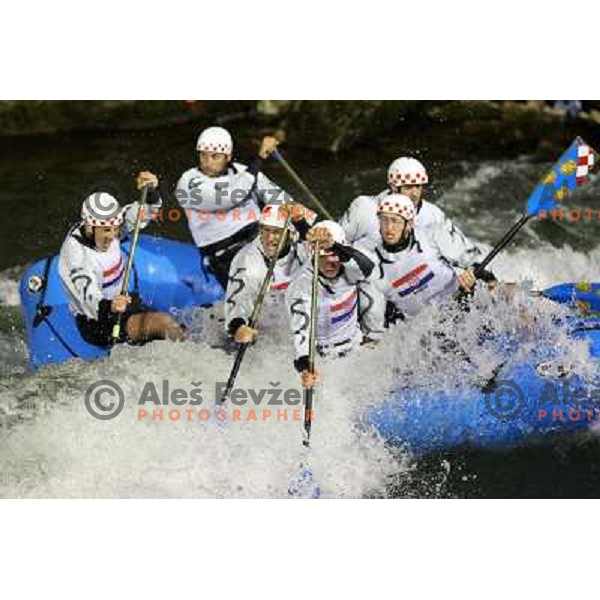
(249, 267)
(408, 176)
(223, 199)
(341, 268)
(92, 266)
(408, 274)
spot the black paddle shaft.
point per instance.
(134, 240)
(308, 404)
(234, 372)
(312, 342)
(505, 241)
(256, 309)
(277, 155)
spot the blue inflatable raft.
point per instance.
(167, 274)
(521, 403)
(504, 412)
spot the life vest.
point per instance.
(113, 270)
(413, 277)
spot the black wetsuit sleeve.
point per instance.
(255, 166)
(302, 364)
(302, 227)
(346, 253)
(153, 196)
(104, 312)
(235, 325)
(483, 274)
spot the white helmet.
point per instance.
(215, 139)
(397, 204)
(101, 210)
(273, 216)
(407, 171)
(335, 229)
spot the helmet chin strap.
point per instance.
(403, 242)
(405, 232)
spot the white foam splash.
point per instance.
(9, 288)
(63, 452)
(548, 265)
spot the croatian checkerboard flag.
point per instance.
(568, 173)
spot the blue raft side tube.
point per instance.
(578, 295)
(437, 421)
(168, 273)
(588, 329)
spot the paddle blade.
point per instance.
(569, 172)
(304, 486)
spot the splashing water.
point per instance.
(59, 450)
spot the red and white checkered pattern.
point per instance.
(585, 162)
(407, 171)
(397, 179)
(118, 220)
(215, 139)
(222, 148)
(397, 204)
(101, 210)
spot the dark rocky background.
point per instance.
(492, 128)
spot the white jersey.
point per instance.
(431, 226)
(218, 207)
(410, 279)
(246, 274)
(338, 326)
(360, 219)
(88, 275)
(112, 264)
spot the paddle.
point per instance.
(257, 308)
(125, 285)
(303, 485)
(301, 183)
(312, 341)
(568, 173)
